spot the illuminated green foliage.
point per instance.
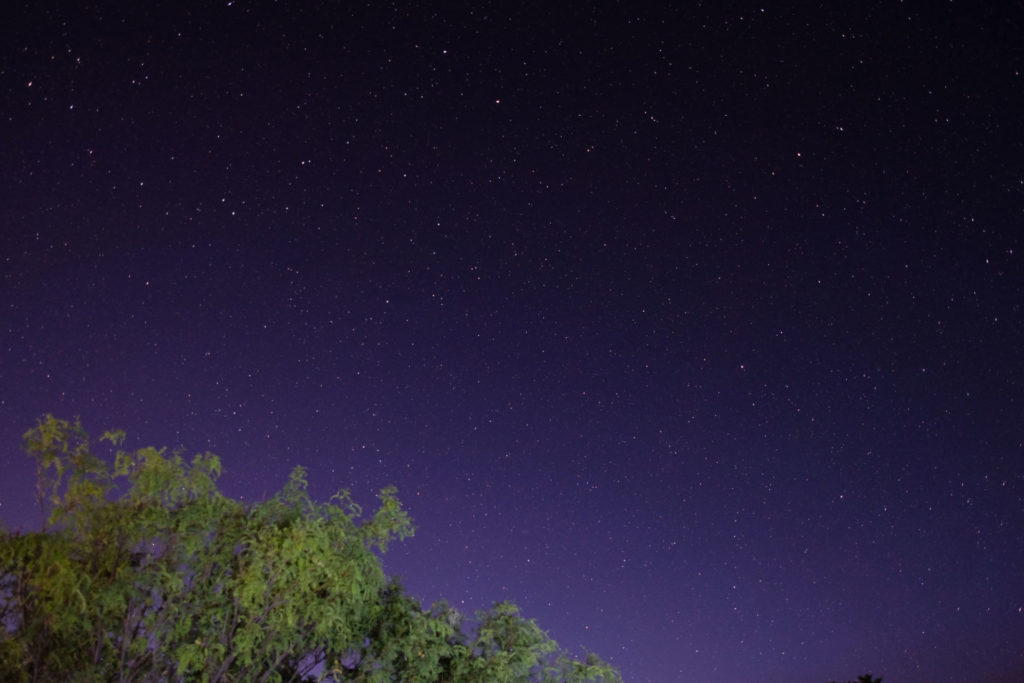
(144, 571)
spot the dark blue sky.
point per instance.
(694, 332)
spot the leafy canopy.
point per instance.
(144, 571)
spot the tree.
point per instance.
(144, 571)
(866, 678)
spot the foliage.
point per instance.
(866, 678)
(144, 571)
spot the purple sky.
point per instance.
(695, 333)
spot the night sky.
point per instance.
(694, 331)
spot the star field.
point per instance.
(693, 331)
